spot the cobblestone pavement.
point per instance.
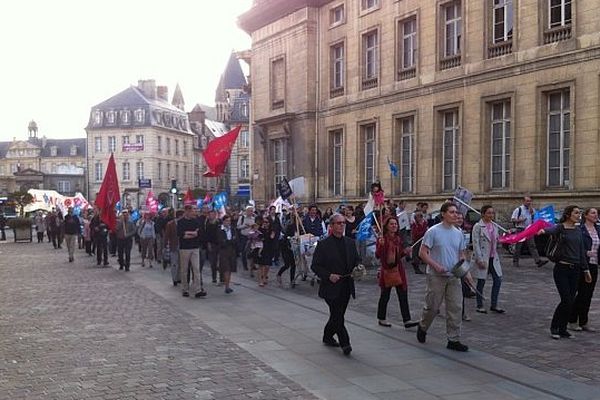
(521, 335)
(74, 331)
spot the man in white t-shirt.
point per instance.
(522, 217)
(443, 246)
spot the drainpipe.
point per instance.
(317, 97)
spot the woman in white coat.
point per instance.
(485, 243)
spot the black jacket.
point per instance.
(327, 261)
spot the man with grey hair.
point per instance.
(334, 259)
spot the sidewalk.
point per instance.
(284, 330)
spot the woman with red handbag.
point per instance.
(390, 251)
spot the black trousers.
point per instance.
(40, 236)
(384, 298)
(101, 250)
(112, 243)
(585, 291)
(2, 233)
(124, 251)
(337, 310)
(53, 237)
(288, 262)
(566, 278)
(88, 247)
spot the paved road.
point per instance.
(73, 331)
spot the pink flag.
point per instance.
(528, 233)
(151, 203)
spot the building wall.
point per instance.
(150, 156)
(524, 77)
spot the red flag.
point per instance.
(218, 151)
(108, 195)
(188, 199)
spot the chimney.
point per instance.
(162, 92)
(44, 141)
(148, 88)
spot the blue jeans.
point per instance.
(496, 282)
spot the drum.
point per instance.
(461, 268)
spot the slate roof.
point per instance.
(237, 114)
(63, 147)
(232, 78)
(217, 129)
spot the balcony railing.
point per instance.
(450, 61)
(407, 73)
(368, 83)
(557, 34)
(277, 104)
(336, 92)
(500, 49)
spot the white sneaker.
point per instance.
(574, 327)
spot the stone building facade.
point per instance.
(41, 163)
(149, 137)
(498, 96)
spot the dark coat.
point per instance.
(227, 250)
(327, 261)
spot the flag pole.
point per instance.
(472, 209)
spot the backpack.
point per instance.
(554, 246)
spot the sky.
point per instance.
(59, 58)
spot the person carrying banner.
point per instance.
(571, 262)
(522, 217)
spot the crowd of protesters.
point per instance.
(187, 240)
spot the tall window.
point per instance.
(185, 174)
(169, 176)
(277, 83)
(97, 118)
(112, 144)
(125, 139)
(139, 139)
(64, 186)
(559, 134)
(500, 144)
(126, 171)
(337, 69)
(98, 171)
(279, 147)
(176, 171)
(125, 117)
(168, 145)
(369, 150)
(450, 150)
(160, 177)
(139, 116)
(159, 144)
(407, 154)
(336, 15)
(502, 20)
(368, 4)
(336, 163)
(185, 150)
(244, 168)
(139, 166)
(110, 117)
(370, 57)
(451, 52)
(176, 147)
(98, 144)
(408, 43)
(244, 139)
(559, 12)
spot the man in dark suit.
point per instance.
(333, 261)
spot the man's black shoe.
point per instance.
(421, 334)
(175, 283)
(410, 324)
(541, 263)
(456, 346)
(201, 293)
(120, 267)
(347, 350)
(565, 335)
(185, 294)
(331, 343)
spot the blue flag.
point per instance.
(546, 213)
(393, 168)
(365, 228)
(220, 200)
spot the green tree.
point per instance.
(20, 200)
